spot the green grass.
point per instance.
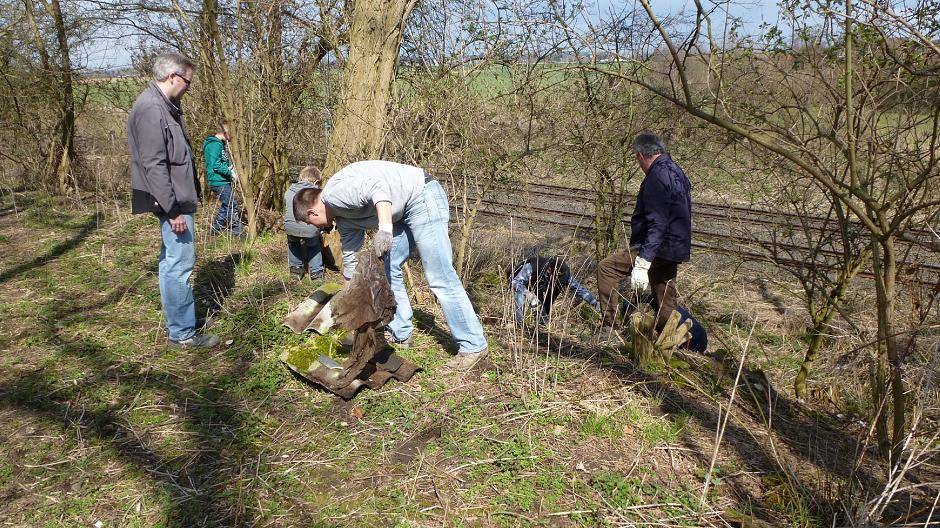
(90, 392)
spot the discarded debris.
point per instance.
(303, 317)
(363, 306)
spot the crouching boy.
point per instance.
(303, 240)
(538, 281)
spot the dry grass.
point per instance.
(100, 421)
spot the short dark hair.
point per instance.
(648, 144)
(303, 200)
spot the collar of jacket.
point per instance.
(661, 159)
(174, 108)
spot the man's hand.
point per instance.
(382, 243)
(532, 299)
(178, 224)
(640, 277)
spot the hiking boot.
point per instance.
(316, 275)
(196, 341)
(406, 342)
(297, 272)
(465, 362)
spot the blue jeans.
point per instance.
(303, 251)
(424, 225)
(228, 215)
(177, 258)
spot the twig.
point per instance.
(724, 419)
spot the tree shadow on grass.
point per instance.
(426, 321)
(214, 281)
(57, 251)
(770, 421)
(211, 481)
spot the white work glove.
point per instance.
(532, 299)
(382, 241)
(640, 277)
(234, 177)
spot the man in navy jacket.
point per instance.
(661, 236)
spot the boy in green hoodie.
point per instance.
(221, 175)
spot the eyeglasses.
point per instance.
(185, 80)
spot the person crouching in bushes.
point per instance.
(221, 176)
(539, 280)
(303, 240)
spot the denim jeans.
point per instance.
(424, 225)
(304, 251)
(177, 258)
(228, 215)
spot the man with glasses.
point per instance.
(163, 182)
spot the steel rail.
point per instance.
(777, 219)
(548, 215)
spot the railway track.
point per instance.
(719, 212)
(721, 241)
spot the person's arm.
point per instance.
(582, 293)
(383, 210)
(382, 241)
(655, 197)
(149, 130)
(351, 239)
(212, 151)
(519, 287)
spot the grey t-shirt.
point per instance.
(351, 195)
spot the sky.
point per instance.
(115, 53)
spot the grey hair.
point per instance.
(648, 144)
(168, 63)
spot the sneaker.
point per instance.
(297, 272)
(407, 342)
(316, 275)
(196, 341)
(465, 362)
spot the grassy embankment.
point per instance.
(101, 421)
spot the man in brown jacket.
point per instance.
(163, 182)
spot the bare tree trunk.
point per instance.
(375, 34)
(886, 313)
(465, 231)
(821, 319)
(888, 371)
(65, 149)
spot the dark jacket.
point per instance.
(550, 275)
(292, 226)
(662, 220)
(218, 164)
(163, 175)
